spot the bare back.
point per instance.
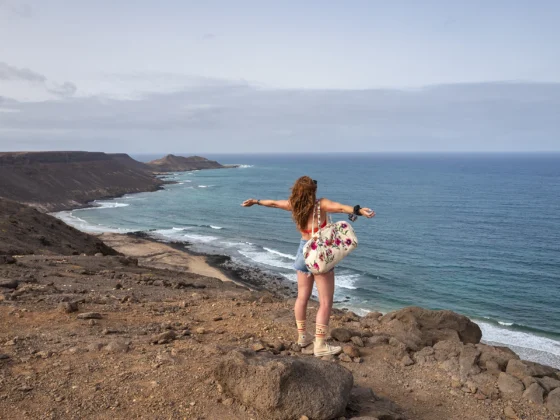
(307, 233)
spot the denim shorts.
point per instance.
(299, 263)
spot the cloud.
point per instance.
(23, 10)
(208, 37)
(10, 74)
(65, 89)
(237, 117)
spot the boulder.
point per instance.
(418, 327)
(492, 367)
(468, 361)
(548, 383)
(553, 401)
(500, 355)
(523, 368)
(486, 385)
(510, 387)
(534, 394)
(283, 387)
(425, 356)
(447, 349)
(528, 381)
(341, 334)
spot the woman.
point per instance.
(302, 204)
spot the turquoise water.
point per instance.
(477, 234)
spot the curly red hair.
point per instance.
(302, 200)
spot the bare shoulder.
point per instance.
(326, 204)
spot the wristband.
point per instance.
(357, 209)
(258, 202)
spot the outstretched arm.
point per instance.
(334, 207)
(278, 204)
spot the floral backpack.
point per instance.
(329, 245)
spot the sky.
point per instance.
(263, 76)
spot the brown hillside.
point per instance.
(53, 181)
(25, 230)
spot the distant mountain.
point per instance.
(53, 181)
(25, 230)
(172, 163)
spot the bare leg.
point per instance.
(325, 287)
(305, 287)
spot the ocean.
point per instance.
(477, 234)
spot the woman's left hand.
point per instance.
(369, 213)
(249, 202)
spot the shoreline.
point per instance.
(222, 267)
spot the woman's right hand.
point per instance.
(369, 213)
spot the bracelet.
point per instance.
(357, 209)
(258, 202)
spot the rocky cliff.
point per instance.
(53, 181)
(172, 163)
(25, 230)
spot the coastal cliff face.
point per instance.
(25, 230)
(54, 181)
(172, 163)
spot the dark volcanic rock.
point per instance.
(284, 387)
(53, 181)
(25, 230)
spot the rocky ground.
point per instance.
(145, 337)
